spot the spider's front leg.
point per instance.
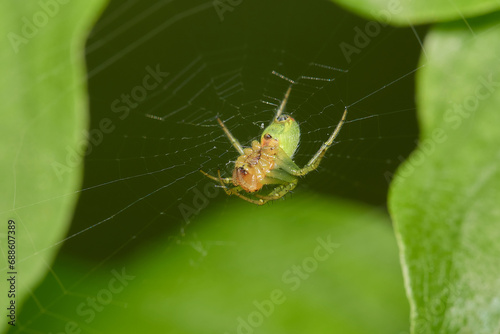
(231, 138)
(316, 159)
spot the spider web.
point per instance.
(142, 174)
(228, 66)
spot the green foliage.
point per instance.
(409, 12)
(445, 198)
(43, 115)
(238, 257)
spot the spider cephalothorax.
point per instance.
(270, 161)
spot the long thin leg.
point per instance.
(248, 199)
(215, 178)
(316, 159)
(279, 191)
(284, 102)
(231, 138)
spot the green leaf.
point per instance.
(410, 12)
(43, 94)
(242, 256)
(445, 198)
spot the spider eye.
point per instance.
(267, 136)
(243, 170)
(282, 118)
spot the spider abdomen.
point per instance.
(253, 166)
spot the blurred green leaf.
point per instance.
(242, 256)
(43, 94)
(410, 12)
(445, 198)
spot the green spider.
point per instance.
(270, 161)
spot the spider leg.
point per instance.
(231, 138)
(285, 100)
(316, 159)
(279, 191)
(235, 191)
(218, 179)
(275, 194)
